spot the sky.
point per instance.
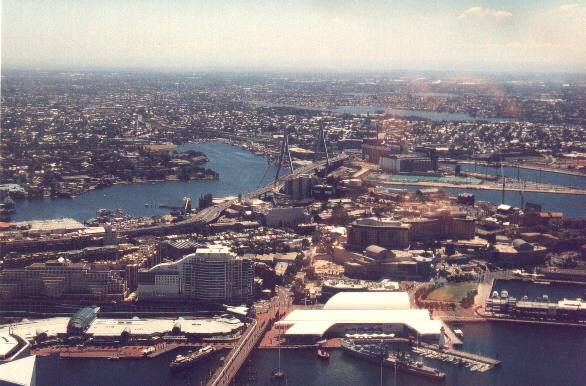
(330, 35)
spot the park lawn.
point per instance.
(453, 292)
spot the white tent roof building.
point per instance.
(352, 312)
(369, 301)
(21, 372)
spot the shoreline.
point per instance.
(525, 166)
(575, 192)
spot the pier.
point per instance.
(453, 356)
(492, 362)
(535, 189)
(249, 340)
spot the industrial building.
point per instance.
(280, 217)
(61, 279)
(406, 163)
(21, 372)
(299, 188)
(361, 312)
(519, 253)
(562, 310)
(386, 233)
(441, 225)
(393, 234)
(378, 262)
(211, 275)
(110, 329)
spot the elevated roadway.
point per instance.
(211, 214)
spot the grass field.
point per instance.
(453, 292)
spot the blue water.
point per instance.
(53, 371)
(363, 110)
(529, 175)
(531, 355)
(536, 355)
(535, 291)
(572, 205)
(435, 94)
(240, 171)
(431, 115)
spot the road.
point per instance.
(238, 355)
(208, 215)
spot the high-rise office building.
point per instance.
(213, 274)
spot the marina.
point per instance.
(507, 341)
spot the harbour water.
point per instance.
(529, 175)
(53, 371)
(536, 355)
(572, 205)
(531, 355)
(534, 291)
(430, 115)
(240, 171)
(369, 109)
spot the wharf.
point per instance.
(474, 357)
(444, 354)
(103, 353)
(548, 189)
(249, 340)
(164, 350)
(531, 321)
(119, 352)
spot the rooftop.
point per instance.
(368, 301)
(19, 372)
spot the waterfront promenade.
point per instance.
(543, 188)
(249, 340)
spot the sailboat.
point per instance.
(279, 374)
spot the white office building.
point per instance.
(213, 274)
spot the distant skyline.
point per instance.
(330, 35)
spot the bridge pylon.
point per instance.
(284, 152)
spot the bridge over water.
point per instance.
(211, 214)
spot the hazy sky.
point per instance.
(536, 35)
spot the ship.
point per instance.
(183, 361)
(402, 362)
(407, 365)
(370, 353)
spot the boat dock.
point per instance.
(167, 348)
(474, 362)
(492, 362)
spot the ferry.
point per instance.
(184, 361)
